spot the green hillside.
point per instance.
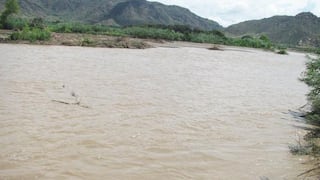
(302, 29)
(113, 12)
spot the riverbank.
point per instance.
(106, 41)
(76, 39)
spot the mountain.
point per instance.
(113, 12)
(302, 29)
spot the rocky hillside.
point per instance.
(302, 29)
(113, 12)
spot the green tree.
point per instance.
(312, 79)
(11, 7)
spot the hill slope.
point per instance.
(302, 29)
(113, 12)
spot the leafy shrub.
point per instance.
(264, 38)
(31, 34)
(86, 29)
(312, 79)
(154, 33)
(11, 7)
(282, 52)
(248, 41)
(61, 28)
(207, 38)
(16, 23)
(87, 42)
(171, 32)
(37, 23)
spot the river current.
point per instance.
(159, 113)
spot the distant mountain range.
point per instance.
(114, 12)
(302, 29)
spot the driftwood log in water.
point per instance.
(67, 103)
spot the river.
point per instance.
(159, 113)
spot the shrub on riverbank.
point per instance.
(282, 52)
(312, 79)
(16, 23)
(31, 34)
(153, 33)
(164, 32)
(249, 41)
(11, 7)
(170, 32)
(312, 138)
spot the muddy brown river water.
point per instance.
(160, 113)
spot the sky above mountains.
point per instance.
(227, 12)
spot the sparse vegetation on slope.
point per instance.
(113, 12)
(300, 30)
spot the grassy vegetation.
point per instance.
(87, 42)
(311, 143)
(312, 79)
(171, 33)
(282, 52)
(31, 34)
(35, 30)
(11, 7)
(29, 30)
(40, 30)
(315, 50)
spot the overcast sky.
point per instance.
(227, 12)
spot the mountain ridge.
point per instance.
(114, 12)
(302, 29)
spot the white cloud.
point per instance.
(228, 12)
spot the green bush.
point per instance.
(171, 32)
(282, 52)
(87, 42)
(154, 33)
(61, 28)
(11, 7)
(37, 23)
(312, 79)
(207, 38)
(248, 41)
(86, 29)
(16, 23)
(31, 34)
